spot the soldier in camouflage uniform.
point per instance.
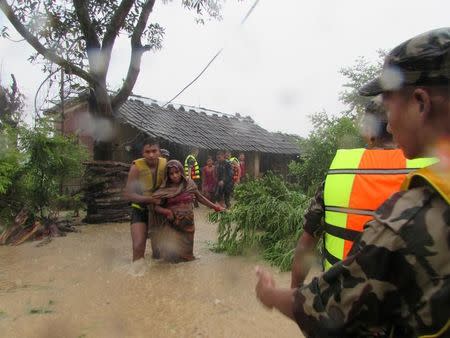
(398, 273)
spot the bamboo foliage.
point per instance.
(267, 218)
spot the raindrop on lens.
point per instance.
(391, 79)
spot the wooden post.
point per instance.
(256, 164)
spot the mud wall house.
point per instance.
(179, 128)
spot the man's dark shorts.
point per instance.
(139, 215)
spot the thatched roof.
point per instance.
(203, 128)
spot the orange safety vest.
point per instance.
(358, 182)
(195, 169)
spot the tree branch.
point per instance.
(136, 55)
(116, 23)
(41, 49)
(87, 28)
(93, 48)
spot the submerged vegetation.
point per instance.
(266, 218)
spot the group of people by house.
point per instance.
(383, 211)
(218, 178)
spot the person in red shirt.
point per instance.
(242, 165)
(209, 182)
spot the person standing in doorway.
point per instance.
(224, 174)
(209, 180)
(242, 166)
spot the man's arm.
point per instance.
(131, 188)
(303, 258)
(343, 298)
(312, 221)
(272, 297)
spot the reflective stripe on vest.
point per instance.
(195, 170)
(147, 182)
(234, 159)
(137, 206)
(358, 182)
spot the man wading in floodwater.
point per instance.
(145, 176)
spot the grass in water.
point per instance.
(42, 310)
(39, 311)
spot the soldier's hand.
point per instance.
(264, 287)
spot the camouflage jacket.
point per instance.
(396, 277)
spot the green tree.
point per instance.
(79, 35)
(50, 158)
(317, 151)
(332, 133)
(11, 108)
(361, 72)
(11, 105)
(31, 175)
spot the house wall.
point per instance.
(73, 124)
(124, 146)
(277, 163)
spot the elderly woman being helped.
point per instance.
(177, 193)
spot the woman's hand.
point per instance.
(218, 208)
(264, 287)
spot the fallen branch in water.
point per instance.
(21, 232)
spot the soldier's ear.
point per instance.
(423, 100)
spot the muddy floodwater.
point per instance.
(82, 285)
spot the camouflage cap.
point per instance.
(420, 61)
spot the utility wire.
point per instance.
(213, 58)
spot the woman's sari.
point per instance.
(175, 238)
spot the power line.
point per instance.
(213, 58)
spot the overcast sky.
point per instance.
(281, 66)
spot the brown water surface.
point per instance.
(83, 285)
